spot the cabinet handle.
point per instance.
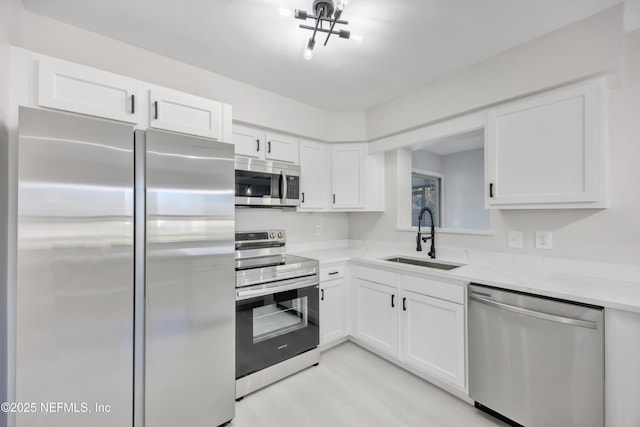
(133, 104)
(321, 294)
(491, 189)
(334, 198)
(393, 300)
(404, 304)
(258, 144)
(268, 146)
(155, 109)
(302, 197)
(332, 273)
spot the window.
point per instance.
(425, 192)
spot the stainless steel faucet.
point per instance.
(420, 238)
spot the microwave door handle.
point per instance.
(283, 195)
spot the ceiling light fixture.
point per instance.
(324, 12)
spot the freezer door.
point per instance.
(190, 294)
(74, 343)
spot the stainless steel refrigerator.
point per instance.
(125, 278)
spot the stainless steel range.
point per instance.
(277, 310)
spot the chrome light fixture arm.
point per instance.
(325, 11)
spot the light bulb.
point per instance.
(356, 38)
(285, 11)
(342, 4)
(307, 53)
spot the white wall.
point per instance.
(463, 194)
(586, 48)
(426, 161)
(610, 235)
(250, 104)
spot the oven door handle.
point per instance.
(275, 287)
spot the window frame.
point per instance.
(429, 174)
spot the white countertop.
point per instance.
(606, 286)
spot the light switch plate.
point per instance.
(543, 240)
(514, 239)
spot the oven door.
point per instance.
(275, 327)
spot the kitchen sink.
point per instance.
(423, 263)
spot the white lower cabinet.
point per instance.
(418, 321)
(333, 300)
(433, 337)
(377, 317)
(375, 320)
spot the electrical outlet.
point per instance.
(543, 240)
(318, 230)
(514, 239)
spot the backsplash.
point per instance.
(300, 227)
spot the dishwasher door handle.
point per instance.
(537, 314)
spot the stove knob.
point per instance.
(272, 235)
(279, 234)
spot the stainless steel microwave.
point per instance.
(264, 183)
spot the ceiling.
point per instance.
(406, 43)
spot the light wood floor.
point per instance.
(353, 387)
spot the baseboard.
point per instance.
(459, 393)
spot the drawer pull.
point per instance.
(333, 273)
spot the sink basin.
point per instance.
(423, 263)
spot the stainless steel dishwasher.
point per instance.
(537, 361)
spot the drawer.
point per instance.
(433, 288)
(331, 273)
(376, 276)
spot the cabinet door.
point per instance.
(347, 175)
(332, 311)
(248, 141)
(86, 90)
(185, 113)
(547, 149)
(433, 337)
(314, 164)
(376, 315)
(282, 148)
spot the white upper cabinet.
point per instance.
(315, 163)
(80, 89)
(256, 143)
(348, 175)
(248, 141)
(71, 87)
(180, 112)
(356, 177)
(549, 151)
(282, 148)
